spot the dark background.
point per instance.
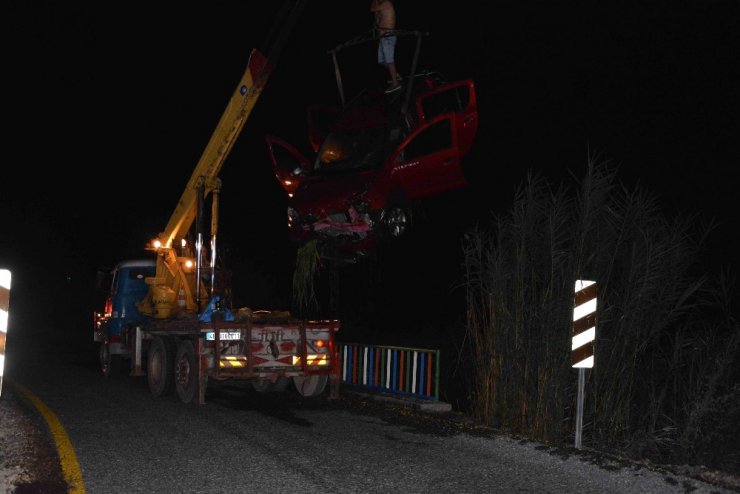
(107, 109)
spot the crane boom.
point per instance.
(219, 146)
(174, 273)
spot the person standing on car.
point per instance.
(385, 23)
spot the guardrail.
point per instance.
(397, 370)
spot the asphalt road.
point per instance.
(127, 441)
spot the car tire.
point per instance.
(397, 220)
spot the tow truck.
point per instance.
(166, 317)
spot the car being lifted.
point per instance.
(375, 158)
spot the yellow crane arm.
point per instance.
(176, 283)
(219, 146)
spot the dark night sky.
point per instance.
(106, 110)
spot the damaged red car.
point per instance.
(375, 159)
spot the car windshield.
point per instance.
(352, 150)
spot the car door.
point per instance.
(458, 98)
(289, 165)
(428, 161)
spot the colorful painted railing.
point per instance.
(399, 370)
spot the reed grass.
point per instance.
(666, 345)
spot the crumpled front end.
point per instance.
(352, 223)
(343, 234)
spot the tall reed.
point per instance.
(659, 368)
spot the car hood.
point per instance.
(326, 192)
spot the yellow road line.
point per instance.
(67, 456)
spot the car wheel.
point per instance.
(397, 221)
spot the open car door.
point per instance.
(458, 98)
(289, 164)
(428, 161)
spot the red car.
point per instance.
(375, 159)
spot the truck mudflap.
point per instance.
(265, 350)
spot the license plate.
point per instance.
(225, 335)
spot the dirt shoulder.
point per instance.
(28, 459)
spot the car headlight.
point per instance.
(359, 212)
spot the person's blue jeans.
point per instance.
(386, 50)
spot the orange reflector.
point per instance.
(232, 361)
(320, 343)
(311, 360)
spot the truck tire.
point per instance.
(110, 365)
(159, 366)
(186, 371)
(310, 386)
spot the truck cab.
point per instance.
(127, 287)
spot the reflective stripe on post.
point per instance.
(584, 324)
(4, 306)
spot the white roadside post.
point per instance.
(584, 334)
(4, 306)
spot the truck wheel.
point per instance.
(310, 386)
(159, 366)
(186, 371)
(110, 365)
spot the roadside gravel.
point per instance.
(28, 460)
(656, 478)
